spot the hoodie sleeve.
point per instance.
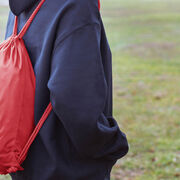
(78, 91)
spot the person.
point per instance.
(72, 62)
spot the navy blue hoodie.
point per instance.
(72, 61)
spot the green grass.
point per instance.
(144, 39)
(3, 20)
(143, 36)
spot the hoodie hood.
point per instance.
(18, 6)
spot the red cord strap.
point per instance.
(35, 132)
(28, 23)
(99, 5)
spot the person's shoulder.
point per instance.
(88, 9)
(85, 3)
(76, 14)
(80, 11)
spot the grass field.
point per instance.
(144, 36)
(3, 20)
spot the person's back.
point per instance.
(73, 67)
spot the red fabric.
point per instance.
(99, 5)
(17, 92)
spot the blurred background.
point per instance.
(144, 36)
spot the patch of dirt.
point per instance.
(124, 12)
(152, 49)
(126, 174)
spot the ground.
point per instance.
(145, 44)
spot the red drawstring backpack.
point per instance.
(17, 93)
